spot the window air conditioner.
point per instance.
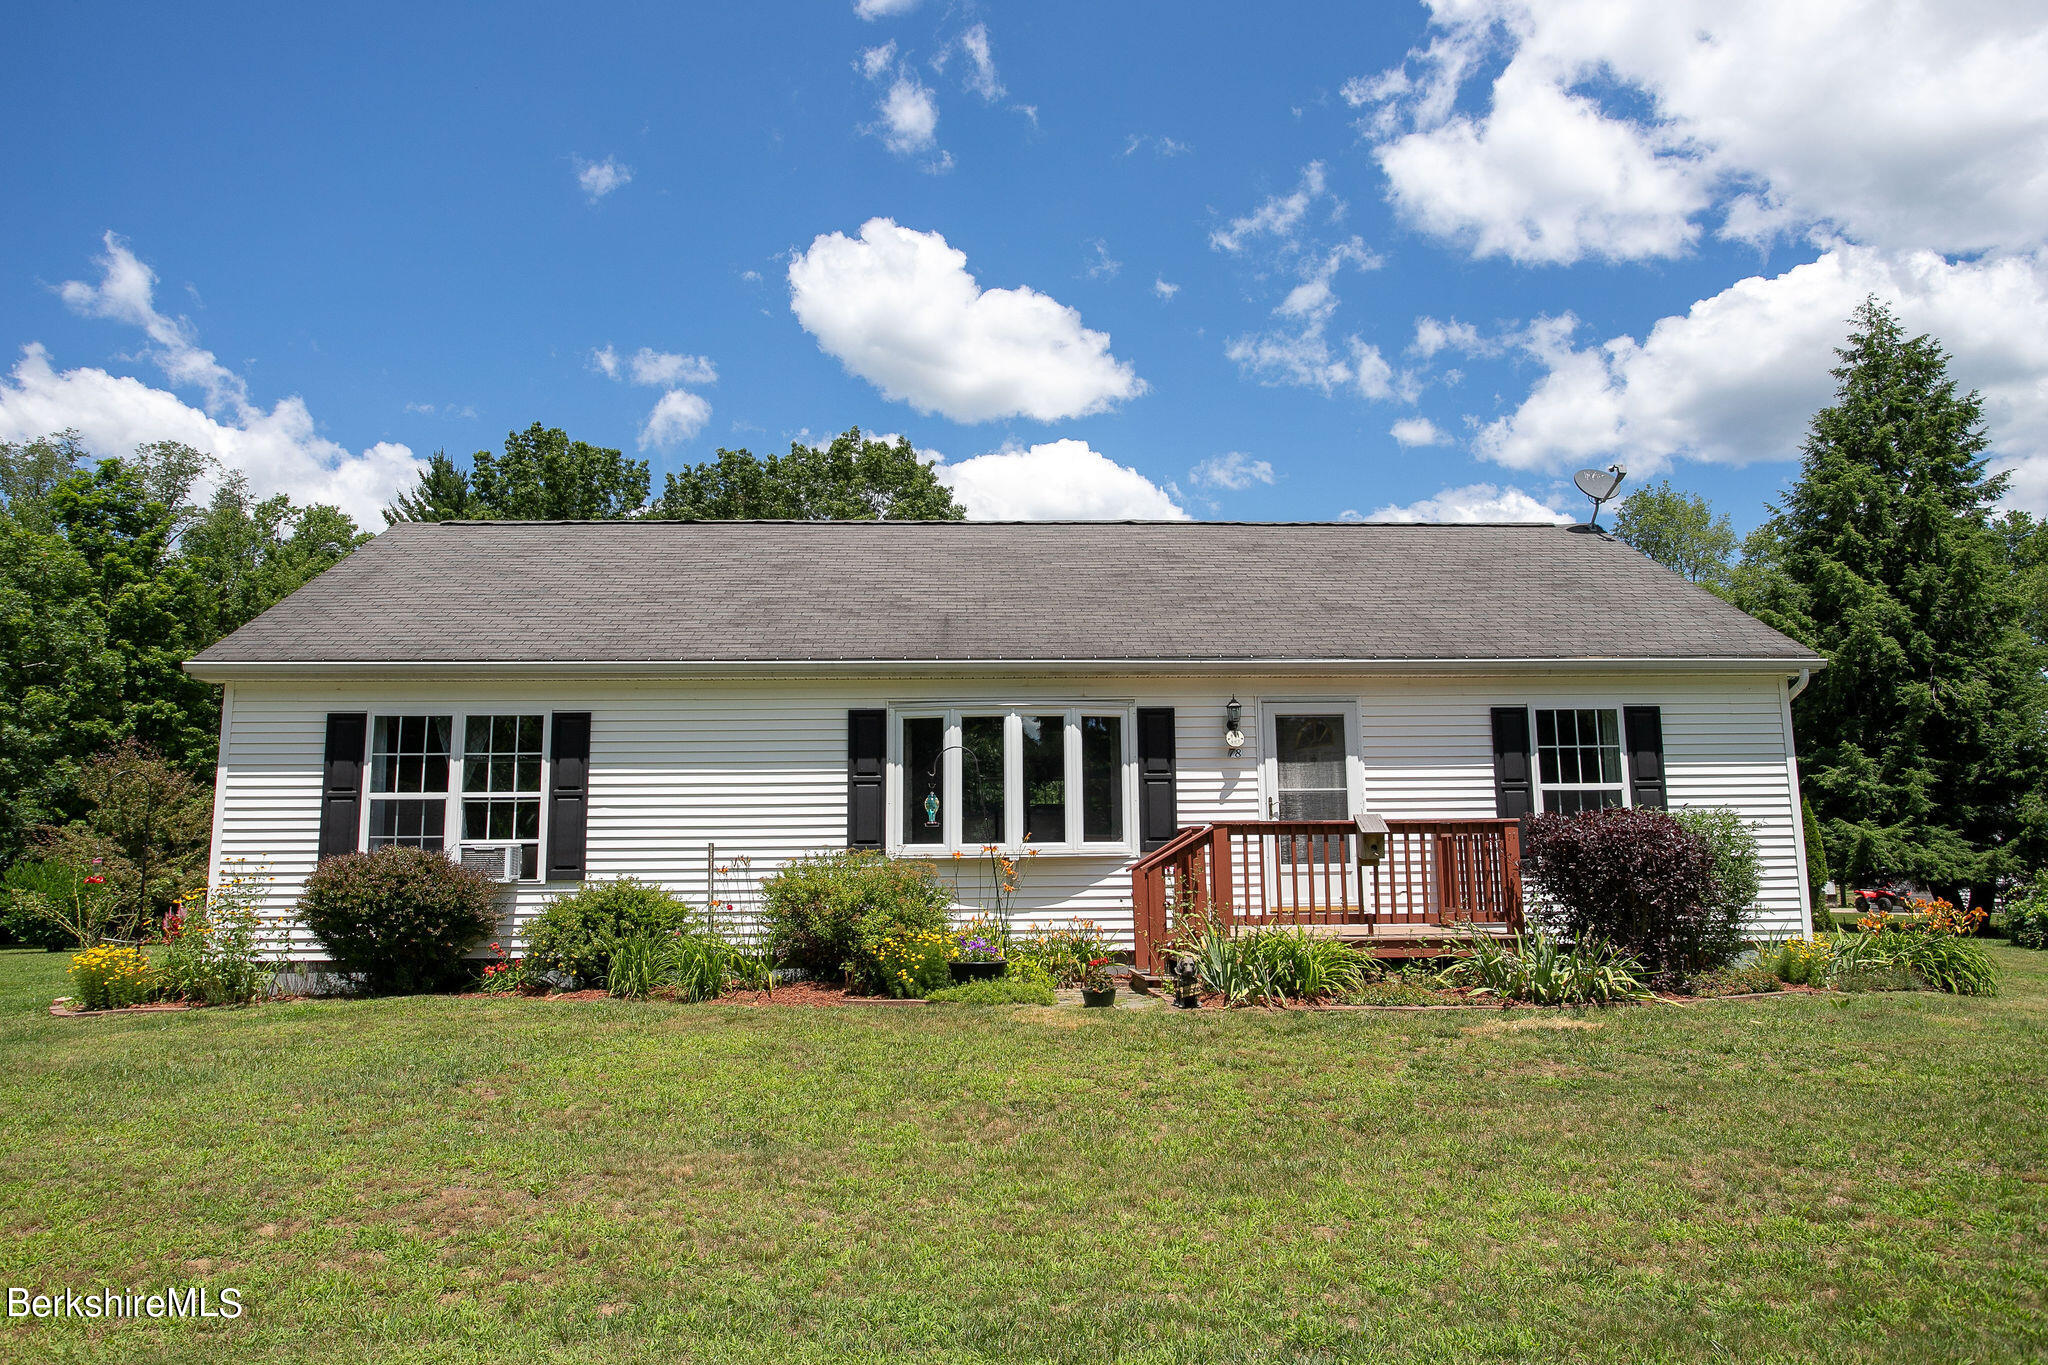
(499, 862)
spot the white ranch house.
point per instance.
(663, 699)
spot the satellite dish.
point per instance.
(1599, 485)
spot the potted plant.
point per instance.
(977, 956)
(1098, 987)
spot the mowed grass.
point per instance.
(465, 1180)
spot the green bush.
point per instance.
(1301, 964)
(210, 956)
(52, 879)
(826, 914)
(400, 917)
(635, 967)
(577, 932)
(1540, 970)
(1959, 966)
(2025, 915)
(1003, 990)
(1736, 879)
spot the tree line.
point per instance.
(1921, 746)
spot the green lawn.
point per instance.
(458, 1180)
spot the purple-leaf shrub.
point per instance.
(1633, 876)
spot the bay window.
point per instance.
(1053, 778)
(497, 799)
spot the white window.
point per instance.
(497, 801)
(1578, 759)
(1050, 777)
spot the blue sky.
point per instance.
(1258, 241)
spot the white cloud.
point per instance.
(898, 308)
(1233, 470)
(665, 369)
(909, 121)
(1164, 290)
(875, 61)
(677, 417)
(1279, 216)
(1418, 431)
(1478, 502)
(599, 178)
(981, 78)
(1616, 132)
(1736, 378)
(1434, 334)
(1300, 352)
(1162, 147)
(1101, 265)
(1058, 480)
(280, 449)
(883, 9)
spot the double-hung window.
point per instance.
(416, 797)
(1052, 777)
(1578, 759)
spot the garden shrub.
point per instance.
(210, 957)
(1301, 964)
(26, 889)
(1542, 970)
(1738, 877)
(635, 967)
(1801, 961)
(1061, 953)
(2026, 914)
(1639, 879)
(110, 978)
(1959, 966)
(825, 914)
(577, 932)
(401, 918)
(1003, 990)
(910, 963)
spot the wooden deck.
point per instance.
(1400, 888)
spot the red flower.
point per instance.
(94, 881)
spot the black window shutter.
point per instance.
(867, 743)
(341, 786)
(1158, 814)
(1643, 726)
(1513, 797)
(568, 795)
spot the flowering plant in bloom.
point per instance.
(913, 961)
(212, 935)
(111, 978)
(1095, 975)
(980, 941)
(1943, 918)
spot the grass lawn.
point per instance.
(465, 1180)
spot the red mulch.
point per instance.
(812, 994)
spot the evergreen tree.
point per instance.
(442, 494)
(1922, 741)
(855, 478)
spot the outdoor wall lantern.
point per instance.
(1233, 735)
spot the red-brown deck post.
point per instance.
(1511, 872)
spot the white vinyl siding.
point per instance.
(756, 768)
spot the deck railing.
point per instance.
(1432, 875)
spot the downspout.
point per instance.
(1799, 684)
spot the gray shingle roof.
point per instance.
(681, 592)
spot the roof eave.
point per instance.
(225, 671)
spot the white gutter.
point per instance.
(228, 671)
